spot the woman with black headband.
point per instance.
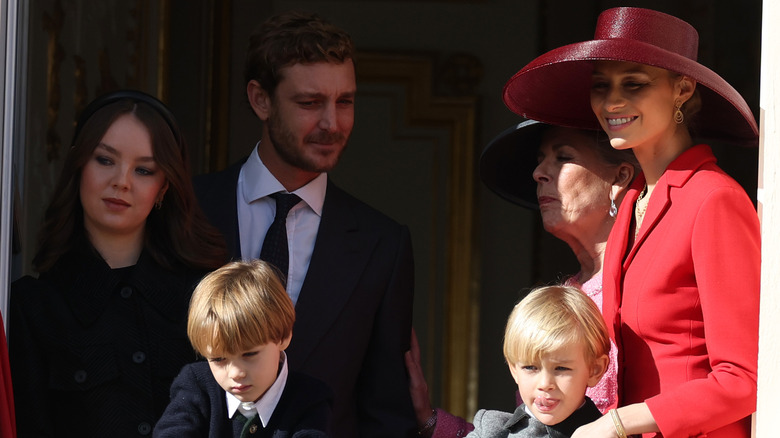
(98, 337)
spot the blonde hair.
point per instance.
(552, 317)
(237, 307)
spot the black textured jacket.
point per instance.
(94, 350)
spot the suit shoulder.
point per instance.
(196, 384)
(491, 423)
(711, 184)
(712, 174)
(198, 370)
(196, 374)
(360, 208)
(227, 177)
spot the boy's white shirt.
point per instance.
(265, 406)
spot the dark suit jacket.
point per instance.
(198, 408)
(353, 316)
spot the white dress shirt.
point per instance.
(256, 214)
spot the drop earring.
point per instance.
(679, 117)
(612, 206)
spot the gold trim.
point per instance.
(163, 45)
(138, 39)
(216, 150)
(52, 24)
(458, 115)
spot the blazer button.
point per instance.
(139, 357)
(144, 428)
(126, 292)
(80, 376)
(253, 428)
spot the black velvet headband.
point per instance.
(134, 95)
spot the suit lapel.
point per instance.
(617, 245)
(656, 208)
(341, 252)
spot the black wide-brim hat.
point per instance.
(507, 163)
(555, 87)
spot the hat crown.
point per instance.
(650, 27)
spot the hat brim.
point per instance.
(507, 163)
(555, 88)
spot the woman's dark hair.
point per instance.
(177, 233)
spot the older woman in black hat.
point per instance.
(575, 179)
(682, 264)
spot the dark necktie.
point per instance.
(275, 250)
(245, 427)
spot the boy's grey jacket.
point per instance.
(499, 424)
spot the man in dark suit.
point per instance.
(348, 268)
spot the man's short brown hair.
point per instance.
(290, 38)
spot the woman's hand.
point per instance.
(635, 418)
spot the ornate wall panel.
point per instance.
(411, 155)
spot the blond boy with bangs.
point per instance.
(240, 320)
(556, 345)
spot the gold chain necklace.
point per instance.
(640, 208)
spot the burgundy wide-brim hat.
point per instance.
(555, 87)
(507, 163)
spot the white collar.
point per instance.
(258, 182)
(266, 405)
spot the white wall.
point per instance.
(767, 422)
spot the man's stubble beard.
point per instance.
(284, 143)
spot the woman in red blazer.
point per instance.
(682, 264)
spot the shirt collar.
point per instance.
(258, 182)
(266, 405)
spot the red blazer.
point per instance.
(682, 305)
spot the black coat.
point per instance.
(94, 350)
(198, 408)
(354, 313)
